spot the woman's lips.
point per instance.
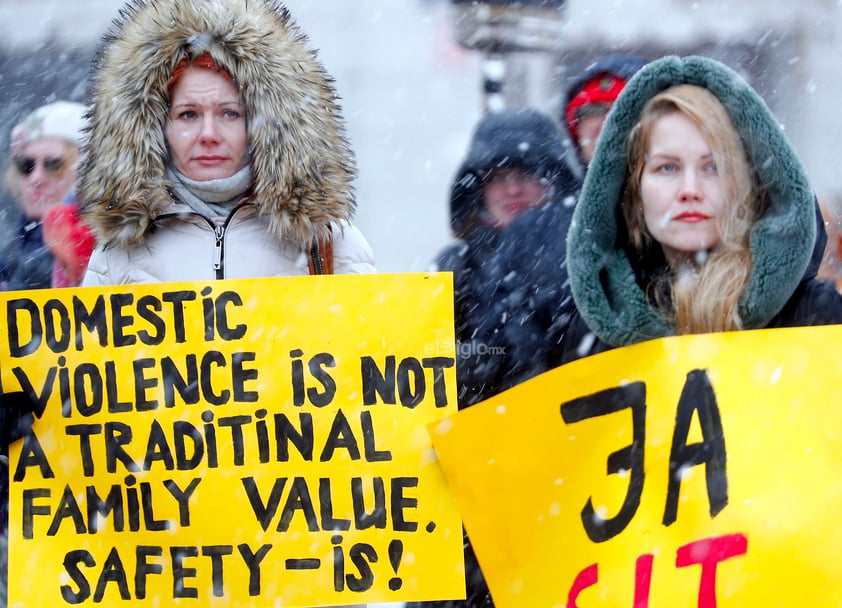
(210, 160)
(691, 217)
(517, 207)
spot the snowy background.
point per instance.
(411, 95)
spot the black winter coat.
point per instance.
(481, 361)
(26, 262)
(534, 289)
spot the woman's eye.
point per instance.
(667, 168)
(187, 115)
(710, 168)
(232, 114)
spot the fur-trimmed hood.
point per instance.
(302, 165)
(783, 241)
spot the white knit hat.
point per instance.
(61, 119)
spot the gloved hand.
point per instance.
(16, 418)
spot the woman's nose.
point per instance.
(209, 132)
(689, 186)
(513, 184)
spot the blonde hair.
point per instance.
(704, 294)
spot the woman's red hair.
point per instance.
(200, 61)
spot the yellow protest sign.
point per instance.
(690, 471)
(236, 443)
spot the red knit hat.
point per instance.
(602, 88)
(200, 61)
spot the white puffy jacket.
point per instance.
(240, 246)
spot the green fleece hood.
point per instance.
(782, 241)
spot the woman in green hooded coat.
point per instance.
(696, 216)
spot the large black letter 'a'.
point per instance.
(697, 396)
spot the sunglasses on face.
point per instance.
(26, 164)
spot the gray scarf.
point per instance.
(214, 198)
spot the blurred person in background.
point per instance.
(590, 97)
(533, 281)
(45, 149)
(44, 155)
(516, 161)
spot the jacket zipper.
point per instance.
(219, 245)
(219, 231)
(219, 235)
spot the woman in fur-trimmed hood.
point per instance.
(156, 219)
(746, 262)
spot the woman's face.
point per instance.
(46, 172)
(510, 191)
(206, 126)
(589, 126)
(680, 189)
